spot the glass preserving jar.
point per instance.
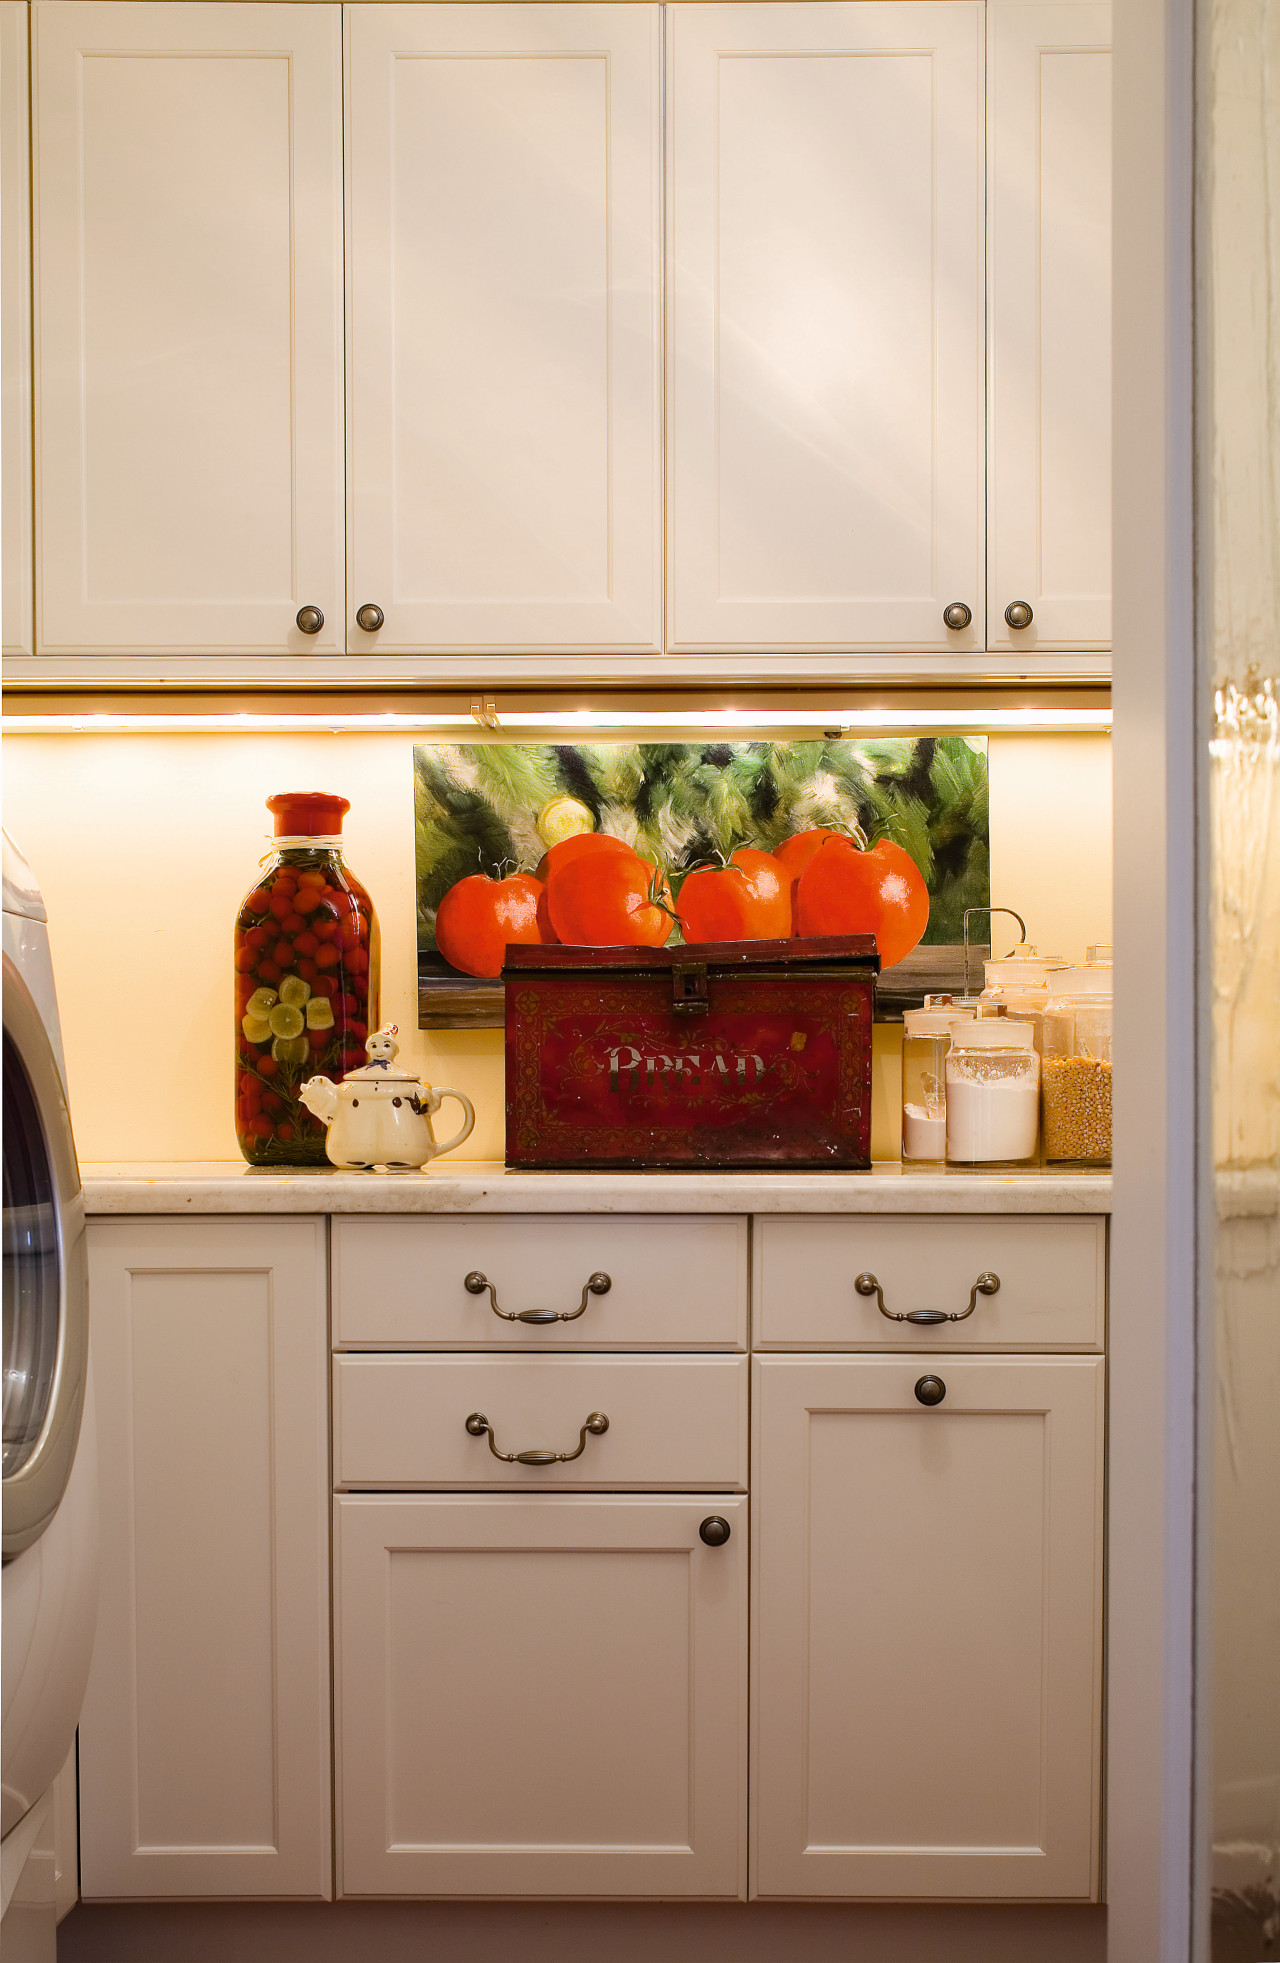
(1019, 985)
(926, 1036)
(993, 1093)
(306, 960)
(1075, 1084)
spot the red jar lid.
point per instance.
(299, 814)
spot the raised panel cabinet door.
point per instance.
(541, 1696)
(16, 616)
(927, 1595)
(188, 327)
(504, 327)
(824, 237)
(1049, 269)
(205, 1739)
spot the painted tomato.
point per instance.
(581, 845)
(880, 892)
(796, 852)
(747, 900)
(609, 899)
(479, 918)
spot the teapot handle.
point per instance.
(468, 1123)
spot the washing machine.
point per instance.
(50, 1494)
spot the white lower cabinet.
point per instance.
(541, 1696)
(927, 1644)
(204, 1743)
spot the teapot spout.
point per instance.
(320, 1096)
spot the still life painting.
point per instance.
(658, 844)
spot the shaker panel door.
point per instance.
(928, 1628)
(188, 288)
(503, 228)
(205, 1742)
(1049, 246)
(825, 419)
(541, 1696)
(15, 332)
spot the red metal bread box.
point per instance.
(727, 1054)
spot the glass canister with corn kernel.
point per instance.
(1075, 1079)
(306, 958)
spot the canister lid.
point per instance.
(993, 1033)
(1095, 978)
(937, 1016)
(1024, 968)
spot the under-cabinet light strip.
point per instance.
(976, 721)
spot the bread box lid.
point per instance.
(852, 951)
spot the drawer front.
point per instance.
(673, 1284)
(401, 1422)
(1051, 1273)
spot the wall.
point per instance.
(144, 846)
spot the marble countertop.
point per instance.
(485, 1186)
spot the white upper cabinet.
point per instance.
(503, 230)
(1049, 268)
(825, 257)
(188, 327)
(15, 332)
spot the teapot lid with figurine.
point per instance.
(382, 1050)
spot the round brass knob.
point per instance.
(1018, 613)
(957, 615)
(310, 620)
(715, 1530)
(369, 617)
(930, 1390)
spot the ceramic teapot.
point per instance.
(380, 1115)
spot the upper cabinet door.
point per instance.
(825, 325)
(15, 331)
(1049, 121)
(188, 328)
(503, 227)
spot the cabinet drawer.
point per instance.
(673, 1284)
(401, 1421)
(1051, 1273)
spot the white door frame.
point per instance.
(1158, 913)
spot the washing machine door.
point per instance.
(46, 1307)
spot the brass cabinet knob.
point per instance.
(310, 620)
(1019, 613)
(715, 1530)
(957, 615)
(369, 617)
(930, 1390)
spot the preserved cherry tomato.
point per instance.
(306, 943)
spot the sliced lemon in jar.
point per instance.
(256, 1029)
(291, 1049)
(295, 991)
(261, 1003)
(319, 1013)
(286, 1020)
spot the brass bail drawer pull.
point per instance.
(986, 1284)
(478, 1425)
(598, 1284)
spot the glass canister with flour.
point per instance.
(926, 1037)
(993, 1093)
(1076, 1068)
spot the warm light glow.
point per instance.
(905, 721)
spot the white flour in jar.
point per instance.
(924, 1133)
(992, 1118)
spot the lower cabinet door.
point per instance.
(541, 1696)
(204, 1741)
(927, 1655)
